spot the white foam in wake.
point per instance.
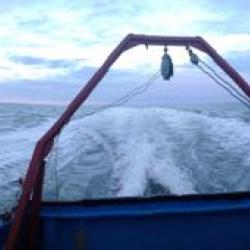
(120, 151)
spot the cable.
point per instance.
(136, 91)
(225, 81)
(227, 89)
(54, 153)
(218, 79)
(141, 89)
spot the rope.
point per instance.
(54, 152)
(127, 97)
(139, 90)
(218, 79)
(225, 81)
(227, 89)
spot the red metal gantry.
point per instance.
(32, 188)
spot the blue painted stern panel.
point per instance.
(212, 224)
(203, 225)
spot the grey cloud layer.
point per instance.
(28, 27)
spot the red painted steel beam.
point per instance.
(45, 144)
(33, 224)
(198, 43)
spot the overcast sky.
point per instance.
(48, 49)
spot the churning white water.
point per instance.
(128, 152)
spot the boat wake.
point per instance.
(135, 152)
(151, 151)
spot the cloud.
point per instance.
(63, 28)
(59, 40)
(44, 62)
(35, 68)
(61, 90)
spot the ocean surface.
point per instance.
(128, 151)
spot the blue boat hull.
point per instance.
(157, 223)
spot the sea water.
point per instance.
(128, 151)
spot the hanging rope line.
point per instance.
(224, 80)
(224, 87)
(138, 90)
(54, 153)
(218, 79)
(129, 95)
